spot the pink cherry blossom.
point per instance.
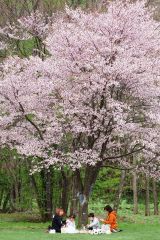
(95, 97)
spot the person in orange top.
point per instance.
(111, 219)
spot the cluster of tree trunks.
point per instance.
(75, 191)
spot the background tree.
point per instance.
(94, 83)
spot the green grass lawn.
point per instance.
(17, 227)
(131, 232)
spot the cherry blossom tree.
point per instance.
(93, 101)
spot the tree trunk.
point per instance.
(38, 197)
(155, 198)
(16, 189)
(91, 174)
(135, 194)
(83, 213)
(147, 198)
(120, 190)
(49, 206)
(6, 200)
(1, 197)
(47, 194)
(65, 190)
(74, 196)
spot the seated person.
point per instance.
(70, 225)
(57, 221)
(111, 219)
(94, 222)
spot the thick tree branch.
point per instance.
(31, 122)
(124, 155)
(118, 168)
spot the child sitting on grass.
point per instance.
(94, 222)
(57, 221)
(70, 225)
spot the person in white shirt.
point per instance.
(94, 222)
(70, 225)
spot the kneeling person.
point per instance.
(111, 219)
